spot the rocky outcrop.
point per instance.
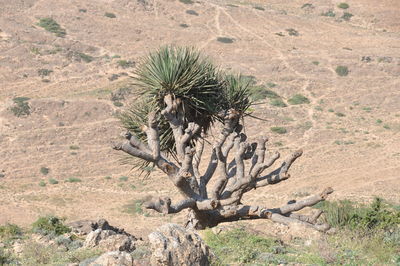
(110, 240)
(172, 244)
(113, 258)
(84, 227)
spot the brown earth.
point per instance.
(72, 122)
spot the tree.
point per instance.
(182, 96)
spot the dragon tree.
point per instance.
(188, 110)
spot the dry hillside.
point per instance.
(349, 130)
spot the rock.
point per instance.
(113, 258)
(110, 240)
(174, 245)
(18, 247)
(82, 227)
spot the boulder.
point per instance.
(113, 258)
(110, 240)
(174, 245)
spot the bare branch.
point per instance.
(128, 148)
(163, 205)
(310, 201)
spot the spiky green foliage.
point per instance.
(236, 93)
(185, 74)
(204, 93)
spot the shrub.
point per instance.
(73, 180)
(343, 6)
(184, 25)
(42, 183)
(259, 8)
(50, 225)
(342, 71)
(74, 147)
(298, 99)
(340, 114)
(10, 231)
(118, 104)
(315, 63)
(21, 107)
(44, 170)
(44, 72)
(51, 25)
(86, 58)
(292, 32)
(329, 13)
(225, 40)
(279, 130)
(53, 181)
(187, 2)
(110, 15)
(125, 63)
(123, 178)
(192, 12)
(278, 102)
(346, 16)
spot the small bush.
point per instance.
(386, 126)
(21, 107)
(379, 121)
(82, 10)
(292, 32)
(74, 147)
(110, 15)
(51, 25)
(298, 99)
(53, 181)
(118, 104)
(125, 63)
(315, 63)
(278, 102)
(108, 177)
(73, 180)
(187, 2)
(123, 178)
(342, 71)
(343, 6)
(259, 8)
(192, 12)
(279, 130)
(86, 58)
(340, 114)
(347, 16)
(225, 40)
(44, 170)
(329, 13)
(10, 231)
(44, 72)
(184, 25)
(50, 225)
(42, 183)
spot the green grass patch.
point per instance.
(52, 26)
(278, 102)
(342, 71)
(315, 63)
(239, 247)
(279, 130)
(259, 8)
(42, 183)
(74, 147)
(298, 99)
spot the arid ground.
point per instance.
(349, 130)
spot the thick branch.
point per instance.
(128, 148)
(152, 135)
(310, 201)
